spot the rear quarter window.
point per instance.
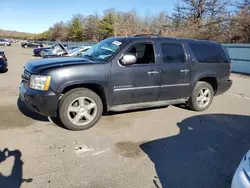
(209, 53)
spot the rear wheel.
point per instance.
(80, 109)
(202, 96)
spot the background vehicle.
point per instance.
(4, 42)
(62, 51)
(42, 50)
(31, 45)
(126, 73)
(38, 51)
(241, 177)
(3, 62)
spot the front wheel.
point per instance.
(41, 53)
(80, 109)
(202, 96)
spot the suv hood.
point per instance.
(38, 65)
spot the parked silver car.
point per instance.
(60, 50)
(5, 42)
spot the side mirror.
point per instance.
(129, 59)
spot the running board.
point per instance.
(135, 106)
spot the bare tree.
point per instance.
(178, 17)
(240, 24)
(200, 19)
(59, 31)
(91, 27)
(158, 23)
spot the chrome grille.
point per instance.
(26, 78)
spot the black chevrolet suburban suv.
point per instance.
(126, 73)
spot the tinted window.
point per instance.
(172, 53)
(144, 53)
(209, 53)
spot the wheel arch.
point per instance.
(97, 88)
(211, 79)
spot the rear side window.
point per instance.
(209, 53)
(172, 53)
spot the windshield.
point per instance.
(104, 50)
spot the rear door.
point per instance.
(175, 71)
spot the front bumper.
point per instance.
(41, 102)
(223, 86)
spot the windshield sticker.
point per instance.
(117, 43)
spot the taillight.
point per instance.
(2, 57)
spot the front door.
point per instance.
(138, 82)
(175, 71)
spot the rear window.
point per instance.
(209, 53)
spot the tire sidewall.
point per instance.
(199, 86)
(68, 99)
(41, 53)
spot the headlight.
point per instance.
(40, 82)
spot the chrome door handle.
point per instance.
(185, 71)
(153, 72)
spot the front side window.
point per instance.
(104, 50)
(173, 53)
(144, 53)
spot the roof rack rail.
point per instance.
(146, 35)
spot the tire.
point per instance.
(199, 92)
(40, 53)
(25, 46)
(72, 99)
(5, 44)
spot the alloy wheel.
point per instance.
(82, 111)
(204, 97)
